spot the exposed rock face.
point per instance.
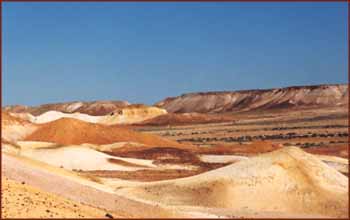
(132, 114)
(91, 108)
(291, 97)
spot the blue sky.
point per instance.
(144, 52)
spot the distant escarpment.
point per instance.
(236, 101)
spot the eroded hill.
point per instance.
(91, 108)
(246, 100)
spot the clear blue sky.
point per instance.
(144, 52)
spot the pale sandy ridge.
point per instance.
(297, 183)
(83, 158)
(127, 115)
(13, 128)
(78, 189)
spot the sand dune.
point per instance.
(287, 180)
(55, 115)
(135, 174)
(297, 183)
(83, 158)
(126, 115)
(69, 131)
(76, 188)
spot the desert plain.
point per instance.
(275, 153)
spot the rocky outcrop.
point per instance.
(132, 114)
(278, 98)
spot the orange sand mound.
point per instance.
(68, 131)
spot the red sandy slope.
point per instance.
(70, 131)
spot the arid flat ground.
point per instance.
(24, 201)
(77, 169)
(309, 129)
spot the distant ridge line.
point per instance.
(262, 90)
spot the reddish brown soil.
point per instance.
(338, 150)
(124, 163)
(158, 154)
(68, 131)
(144, 175)
(154, 175)
(189, 118)
(243, 149)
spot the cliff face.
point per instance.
(209, 102)
(91, 108)
(289, 97)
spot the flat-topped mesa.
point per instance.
(278, 98)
